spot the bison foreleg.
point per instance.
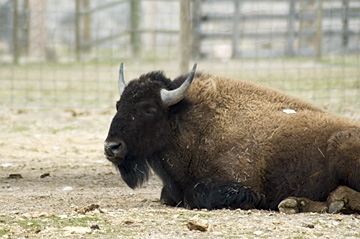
(217, 195)
(169, 200)
(344, 199)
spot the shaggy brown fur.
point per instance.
(227, 131)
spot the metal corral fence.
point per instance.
(65, 53)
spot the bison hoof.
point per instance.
(289, 206)
(336, 206)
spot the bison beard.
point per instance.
(134, 172)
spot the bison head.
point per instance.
(141, 126)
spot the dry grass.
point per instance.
(333, 83)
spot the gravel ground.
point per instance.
(56, 183)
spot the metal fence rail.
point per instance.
(303, 28)
(65, 53)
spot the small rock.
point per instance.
(102, 210)
(39, 214)
(68, 188)
(338, 218)
(335, 223)
(26, 215)
(258, 233)
(88, 208)
(318, 227)
(15, 176)
(45, 175)
(129, 221)
(95, 227)
(198, 224)
(77, 230)
(6, 165)
(311, 226)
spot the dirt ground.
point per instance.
(56, 183)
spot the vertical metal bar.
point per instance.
(87, 25)
(77, 31)
(289, 48)
(301, 24)
(236, 33)
(196, 29)
(345, 23)
(27, 30)
(318, 29)
(16, 49)
(135, 36)
(184, 38)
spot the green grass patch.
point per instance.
(31, 224)
(20, 128)
(74, 221)
(43, 222)
(4, 231)
(356, 234)
(332, 82)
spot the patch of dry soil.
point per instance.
(56, 183)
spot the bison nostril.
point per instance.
(116, 149)
(111, 146)
(115, 146)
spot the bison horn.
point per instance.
(121, 83)
(171, 97)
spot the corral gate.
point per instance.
(287, 28)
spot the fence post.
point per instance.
(16, 49)
(37, 34)
(318, 29)
(236, 34)
(77, 30)
(87, 26)
(289, 48)
(27, 30)
(184, 39)
(196, 24)
(135, 37)
(345, 23)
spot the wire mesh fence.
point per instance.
(64, 53)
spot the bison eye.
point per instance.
(149, 111)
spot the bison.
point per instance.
(222, 143)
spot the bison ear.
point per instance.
(171, 97)
(121, 82)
